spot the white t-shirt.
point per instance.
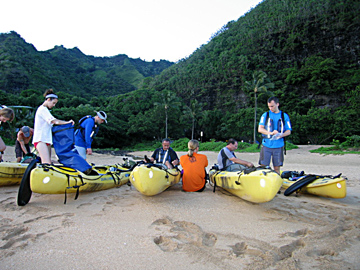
(42, 125)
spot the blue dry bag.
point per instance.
(63, 140)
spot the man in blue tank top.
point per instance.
(275, 126)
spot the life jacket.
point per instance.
(163, 156)
(280, 127)
(224, 158)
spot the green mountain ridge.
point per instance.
(69, 70)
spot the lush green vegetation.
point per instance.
(309, 51)
(212, 145)
(350, 146)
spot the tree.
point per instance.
(169, 99)
(258, 85)
(194, 110)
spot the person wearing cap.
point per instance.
(42, 138)
(6, 114)
(22, 142)
(88, 129)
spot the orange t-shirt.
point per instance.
(193, 177)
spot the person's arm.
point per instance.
(286, 133)
(261, 127)
(22, 143)
(242, 162)
(175, 162)
(262, 130)
(174, 157)
(88, 125)
(153, 156)
(287, 126)
(61, 122)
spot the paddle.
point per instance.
(25, 192)
(300, 183)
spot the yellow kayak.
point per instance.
(152, 179)
(57, 179)
(257, 185)
(324, 186)
(11, 173)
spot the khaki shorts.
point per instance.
(277, 155)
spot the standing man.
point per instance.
(89, 127)
(22, 147)
(275, 126)
(227, 161)
(165, 155)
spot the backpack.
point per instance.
(81, 129)
(283, 120)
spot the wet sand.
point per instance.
(120, 228)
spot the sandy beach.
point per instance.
(122, 229)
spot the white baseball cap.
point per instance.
(102, 115)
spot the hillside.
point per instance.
(310, 50)
(69, 70)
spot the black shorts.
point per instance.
(18, 151)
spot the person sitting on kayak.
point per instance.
(165, 155)
(194, 168)
(227, 161)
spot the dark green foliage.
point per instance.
(351, 145)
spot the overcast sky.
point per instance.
(146, 29)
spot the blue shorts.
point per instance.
(277, 155)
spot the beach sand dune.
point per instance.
(120, 228)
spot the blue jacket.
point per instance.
(86, 133)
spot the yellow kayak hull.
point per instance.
(259, 186)
(11, 173)
(151, 180)
(324, 187)
(58, 179)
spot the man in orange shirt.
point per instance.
(22, 142)
(193, 165)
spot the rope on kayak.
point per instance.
(214, 177)
(51, 167)
(113, 177)
(75, 186)
(161, 167)
(17, 174)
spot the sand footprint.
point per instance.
(321, 252)
(185, 234)
(286, 251)
(298, 233)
